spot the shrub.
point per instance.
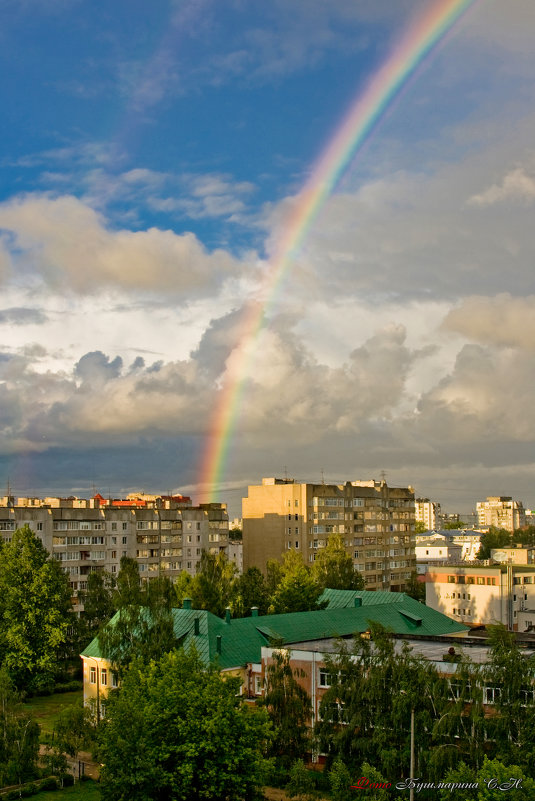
(68, 780)
(49, 784)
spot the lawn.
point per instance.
(46, 708)
(81, 791)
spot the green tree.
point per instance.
(340, 781)
(179, 731)
(495, 538)
(297, 590)
(334, 569)
(494, 779)
(250, 590)
(415, 589)
(301, 782)
(420, 528)
(143, 626)
(453, 525)
(19, 737)
(289, 709)
(213, 585)
(98, 602)
(35, 610)
(510, 674)
(74, 729)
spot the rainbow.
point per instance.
(426, 33)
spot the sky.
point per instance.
(150, 157)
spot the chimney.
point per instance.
(357, 601)
(227, 616)
(196, 626)
(186, 603)
(218, 643)
(254, 611)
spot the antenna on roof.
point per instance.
(322, 476)
(285, 473)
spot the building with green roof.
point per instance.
(236, 644)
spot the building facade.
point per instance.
(501, 511)
(482, 594)
(376, 522)
(427, 512)
(165, 534)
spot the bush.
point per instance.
(30, 789)
(49, 784)
(301, 784)
(68, 780)
(68, 686)
(340, 781)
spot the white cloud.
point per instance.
(516, 185)
(502, 320)
(67, 244)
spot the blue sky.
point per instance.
(149, 158)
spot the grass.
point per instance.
(81, 791)
(46, 708)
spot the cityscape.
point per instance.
(267, 513)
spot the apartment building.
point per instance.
(480, 594)
(501, 511)
(427, 512)
(375, 520)
(165, 534)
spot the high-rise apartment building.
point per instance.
(427, 513)
(165, 534)
(501, 511)
(375, 520)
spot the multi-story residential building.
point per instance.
(165, 534)
(480, 594)
(376, 522)
(427, 512)
(501, 511)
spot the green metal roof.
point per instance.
(243, 638)
(346, 598)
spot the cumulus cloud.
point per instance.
(502, 320)
(516, 185)
(68, 245)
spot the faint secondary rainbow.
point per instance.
(422, 37)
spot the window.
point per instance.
(258, 685)
(104, 677)
(39, 527)
(289, 517)
(480, 580)
(114, 526)
(325, 678)
(113, 679)
(297, 543)
(297, 503)
(297, 517)
(124, 540)
(491, 694)
(93, 675)
(125, 526)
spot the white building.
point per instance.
(502, 512)
(427, 512)
(481, 594)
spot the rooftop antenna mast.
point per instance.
(322, 476)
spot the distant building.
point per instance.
(502, 512)
(427, 512)
(376, 522)
(479, 594)
(436, 549)
(164, 533)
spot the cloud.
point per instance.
(502, 320)
(22, 316)
(68, 245)
(516, 185)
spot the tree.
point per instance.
(212, 586)
(453, 525)
(493, 780)
(495, 538)
(250, 590)
(98, 602)
(35, 610)
(143, 626)
(420, 528)
(301, 783)
(415, 589)
(74, 728)
(333, 567)
(288, 706)
(19, 737)
(297, 590)
(179, 731)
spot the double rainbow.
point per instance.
(415, 46)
